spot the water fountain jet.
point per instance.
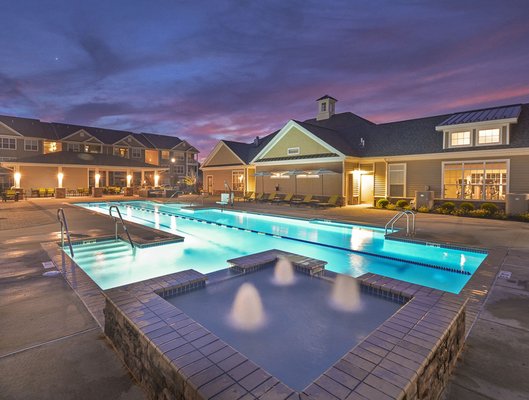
(283, 272)
(247, 312)
(346, 294)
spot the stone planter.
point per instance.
(97, 192)
(60, 193)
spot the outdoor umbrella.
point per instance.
(262, 174)
(295, 173)
(321, 172)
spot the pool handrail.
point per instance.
(396, 217)
(61, 217)
(119, 219)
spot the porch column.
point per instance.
(60, 177)
(129, 177)
(97, 177)
(107, 176)
(142, 177)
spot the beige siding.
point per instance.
(295, 138)
(224, 157)
(219, 177)
(380, 179)
(6, 131)
(519, 174)
(38, 177)
(352, 184)
(75, 178)
(420, 174)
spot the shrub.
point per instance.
(402, 203)
(423, 209)
(479, 213)
(523, 217)
(491, 208)
(382, 203)
(448, 207)
(466, 206)
(391, 206)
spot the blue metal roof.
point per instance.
(489, 114)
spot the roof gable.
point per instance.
(223, 155)
(129, 141)
(295, 134)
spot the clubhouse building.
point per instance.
(477, 156)
(36, 155)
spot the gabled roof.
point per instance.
(487, 114)
(74, 158)
(28, 127)
(326, 97)
(162, 141)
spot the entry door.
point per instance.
(210, 184)
(366, 189)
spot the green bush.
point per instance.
(523, 217)
(448, 206)
(402, 203)
(491, 208)
(382, 203)
(479, 213)
(423, 209)
(391, 206)
(466, 206)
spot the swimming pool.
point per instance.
(212, 236)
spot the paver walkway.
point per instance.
(51, 348)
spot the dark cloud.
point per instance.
(236, 69)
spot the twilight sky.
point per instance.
(205, 70)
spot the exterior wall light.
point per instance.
(17, 176)
(60, 177)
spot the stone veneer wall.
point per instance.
(154, 372)
(434, 377)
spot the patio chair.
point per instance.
(271, 197)
(247, 196)
(287, 198)
(34, 192)
(331, 202)
(307, 200)
(42, 192)
(264, 197)
(50, 192)
(257, 197)
(10, 194)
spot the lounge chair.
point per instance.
(331, 202)
(271, 197)
(264, 197)
(257, 197)
(305, 201)
(10, 195)
(42, 192)
(50, 192)
(286, 199)
(247, 196)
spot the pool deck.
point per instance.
(52, 347)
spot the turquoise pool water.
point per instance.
(212, 236)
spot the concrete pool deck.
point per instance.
(37, 327)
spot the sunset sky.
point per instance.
(236, 69)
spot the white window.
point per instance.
(179, 169)
(136, 153)
(475, 180)
(31, 145)
(396, 180)
(75, 147)
(293, 151)
(489, 136)
(459, 139)
(8, 144)
(179, 156)
(323, 107)
(237, 180)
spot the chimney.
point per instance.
(325, 107)
(256, 141)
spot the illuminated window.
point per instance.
(293, 151)
(8, 144)
(489, 136)
(482, 180)
(459, 139)
(165, 155)
(121, 152)
(396, 180)
(51, 147)
(92, 148)
(31, 145)
(237, 180)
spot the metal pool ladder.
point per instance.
(410, 229)
(64, 228)
(119, 220)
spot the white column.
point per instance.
(129, 177)
(17, 176)
(142, 177)
(97, 177)
(60, 177)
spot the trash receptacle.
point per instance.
(424, 199)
